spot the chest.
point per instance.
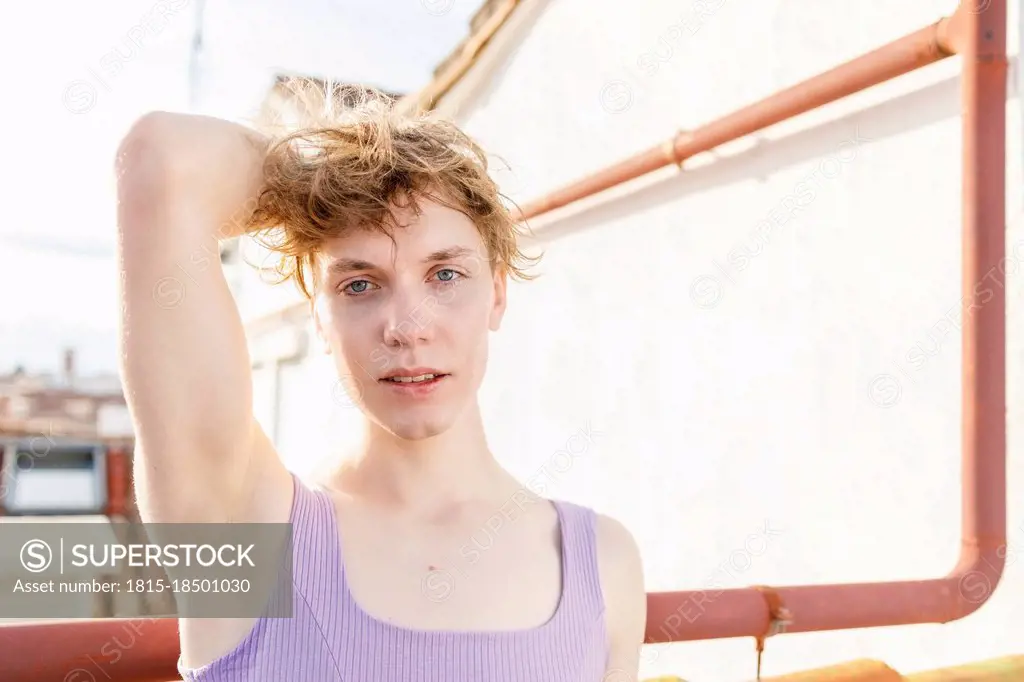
(470, 572)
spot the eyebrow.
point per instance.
(345, 265)
(451, 253)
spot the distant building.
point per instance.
(45, 417)
(67, 404)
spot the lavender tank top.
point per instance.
(329, 638)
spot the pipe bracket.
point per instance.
(778, 618)
(671, 145)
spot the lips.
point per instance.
(414, 385)
(413, 375)
(417, 379)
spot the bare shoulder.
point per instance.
(618, 552)
(622, 580)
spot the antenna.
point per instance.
(195, 57)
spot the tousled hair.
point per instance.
(352, 158)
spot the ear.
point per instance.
(500, 298)
(318, 326)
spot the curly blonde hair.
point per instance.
(352, 161)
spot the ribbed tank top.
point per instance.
(330, 638)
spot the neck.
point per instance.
(453, 467)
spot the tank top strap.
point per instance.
(582, 594)
(315, 545)
(312, 514)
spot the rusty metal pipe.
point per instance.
(913, 51)
(29, 652)
(113, 649)
(693, 615)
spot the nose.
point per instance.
(409, 319)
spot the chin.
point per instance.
(418, 430)
(408, 429)
(413, 424)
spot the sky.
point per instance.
(78, 74)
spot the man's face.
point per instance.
(391, 311)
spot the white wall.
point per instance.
(723, 369)
(732, 363)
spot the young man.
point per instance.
(398, 237)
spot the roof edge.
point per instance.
(492, 16)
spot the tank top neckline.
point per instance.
(347, 596)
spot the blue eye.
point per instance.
(451, 274)
(357, 287)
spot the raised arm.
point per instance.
(184, 183)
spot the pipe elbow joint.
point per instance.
(975, 578)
